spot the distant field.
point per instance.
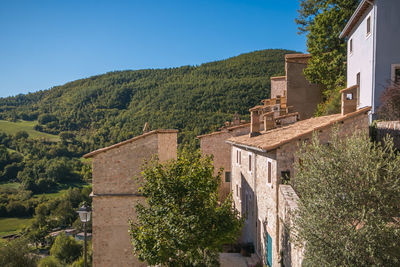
(13, 127)
(10, 226)
(13, 186)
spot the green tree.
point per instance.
(322, 21)
(349, 202)
(50, 262)
(66, 248)
(16, 253)
(182, 223)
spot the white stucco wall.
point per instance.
(361, 59)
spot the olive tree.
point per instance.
(349, 207)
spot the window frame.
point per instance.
(368, 24)
(351, 46)
(395, 67)
(269, 172)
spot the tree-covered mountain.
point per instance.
(108, 108)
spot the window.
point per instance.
(351, 46)
(238, 157)
(227, 177)
(237, 190)
(396, 73)
(368, 26)
(250, 169)
(269, 172)
(285, 176)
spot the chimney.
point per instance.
(269, 121)
(349, 100)
(255, 121)
(236, 119)
(146, 128)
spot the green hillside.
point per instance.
(28, 126)
(108, 108)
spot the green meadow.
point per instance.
(28, 126)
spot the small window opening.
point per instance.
(227, 177)
(269, 172)
(250, 162)
(351, 45)
(397, 75)
(349, 96)
(285, 176)
(368, 25)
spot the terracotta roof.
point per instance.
(287, 115)
(271, 139)
(297, 56)
(278, 77)
(362, 7)
(348, 89)
(225, 130)
(104, 149)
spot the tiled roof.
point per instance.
(225, 130)
(362, 7)
(104, 149)
(287, 56)
(278, 77)
(271, 139)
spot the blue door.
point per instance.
(269, 250)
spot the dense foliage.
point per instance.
(390, 103)
(66, 248)
(17, 253)
(108, 108)
(323, 21)
(182, 223)
(348, 212)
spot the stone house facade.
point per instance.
(289, 93)
(260, 164)
(115, 192)
(214, 144)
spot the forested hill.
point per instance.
(108, 108)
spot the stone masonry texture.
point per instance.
(267, 205)
(116, 179)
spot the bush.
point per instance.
(66, 248)
(16, 253)
(49, 262)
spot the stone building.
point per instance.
(289, 93)
(115, 192)
(214, 144)
(262, 161)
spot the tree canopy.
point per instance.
(182, 222)
(322, 21)
(348, 213)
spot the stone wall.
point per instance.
(391, 128)
(286, 153)
(291, 255)
(278, 86)
(214, 144)
(116, 179)
(301, 94)
(110, 238)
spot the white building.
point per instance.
(373, 52)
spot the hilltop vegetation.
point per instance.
(109, 108)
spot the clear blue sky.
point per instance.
(48, 43)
